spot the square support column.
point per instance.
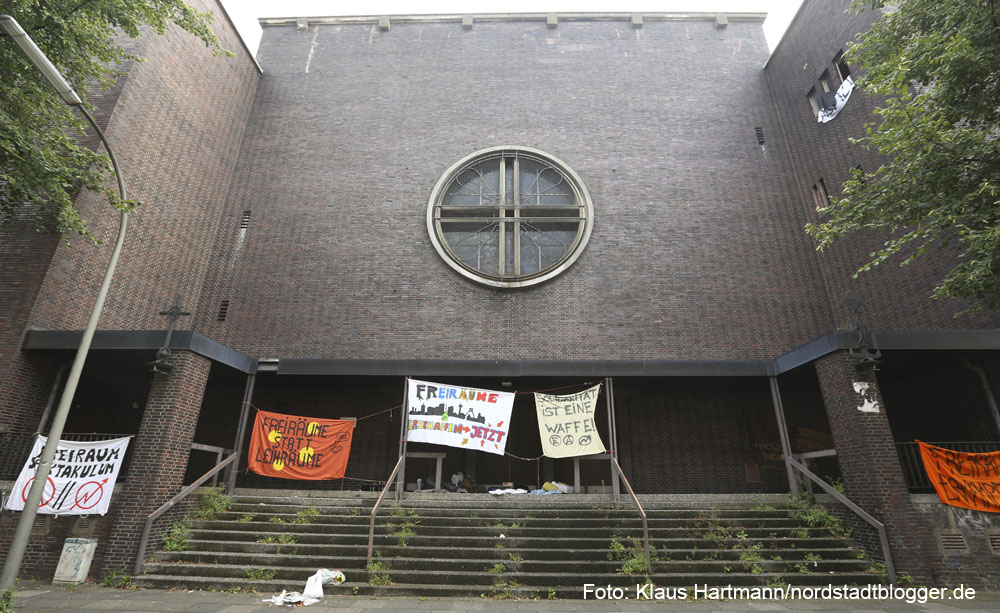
(159, 458)
(869, 464)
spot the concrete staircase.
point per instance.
(451, 545)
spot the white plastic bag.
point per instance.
(291, 599)
(323, 576)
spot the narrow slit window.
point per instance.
(760, 135)
(223, 310)
(245, 220)
(825, 82)
(815, 101)
(843, 69)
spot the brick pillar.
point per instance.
(159, 458)
(869, 464)
(25, 388)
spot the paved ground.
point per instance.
(41, 597)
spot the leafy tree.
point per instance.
(936, 65)
(42, 161)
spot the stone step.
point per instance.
(488, 537)
(547, 522)
(430, 528)
(203, 563)
(562, 586)
(482, 576)
(210, 550)
(277, 506)
(560, 543)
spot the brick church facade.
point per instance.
(293, 207)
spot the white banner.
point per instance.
(841, 97)
(81, 480)
(566, 424)
(456, 416)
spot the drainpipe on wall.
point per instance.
(984, 380)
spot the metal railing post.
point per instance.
(148, 527)
(642, 514)
(890, 567)
(378, 503)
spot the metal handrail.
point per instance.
(371, 519)
(890, 568)
(144, 541)
(642, 513)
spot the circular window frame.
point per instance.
(573, 253)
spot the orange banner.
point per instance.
(293, 447)
(966, 480)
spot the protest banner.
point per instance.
(566, 424)
(294, 447)
(966, 480)
(81, 480)
(458, 417)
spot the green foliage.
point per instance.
(777, 582)
(750, 558)
(378, 573)
(501, 585)
(7, 602)
(811, 559)
(552, 594)
(630, 552)
(878, 568)
(213, 502)
(276, 520)
(260, 574)
(403, 531)
(120, 580)
(246, 517)
(514, 557)
(306, 516)
(936, 64)
(398, 511)
(760, 506)
(41, 160)
(816, 517)
(718, 535)
(177, 535)
(281, 539)
(497, 569)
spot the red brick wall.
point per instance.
(892, 297)
(161, 450)
(870, 467)
(176, 125)
(697, 249)
(696, 436)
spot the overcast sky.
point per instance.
(246, 12)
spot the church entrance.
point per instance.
(523, 464)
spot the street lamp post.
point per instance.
(20, 540)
